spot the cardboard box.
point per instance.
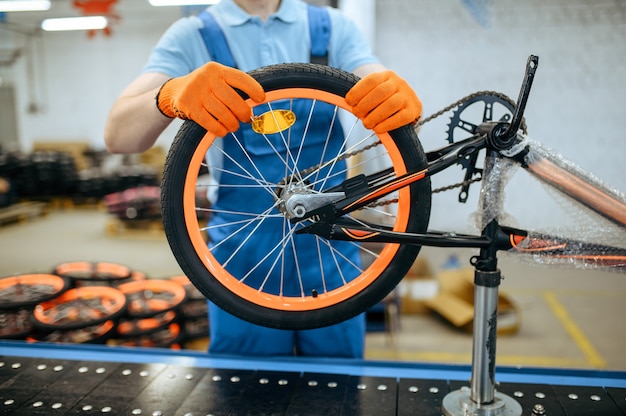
(455, 302)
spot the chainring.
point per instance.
(478, 109)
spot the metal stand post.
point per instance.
(482, 399)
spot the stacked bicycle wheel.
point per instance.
(103, 303)
(19, 296)
(152, 318)
(86, 314)
(89, 311)
(84, 273)
(194, 311)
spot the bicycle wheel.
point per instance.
(255, 266)
(93, 334)
(27, 290)
(15, 324)
(130, 328)
(80, 308)
(147, 298)
(83, 273)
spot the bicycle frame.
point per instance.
(503, 144)
(333, 224)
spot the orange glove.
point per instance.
(384, 102)
(208, 97)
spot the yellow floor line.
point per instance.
(592, 356)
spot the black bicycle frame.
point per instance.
(332, 222)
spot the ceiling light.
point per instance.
(182, 2)
(24, 5)
(75, 23)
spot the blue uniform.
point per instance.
(284, 37)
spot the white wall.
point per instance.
(445, 54)
(77, 77)
(363, 12)
(577, 103)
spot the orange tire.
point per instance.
(249, 277)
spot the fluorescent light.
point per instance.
(181, 2)
(24, 5)
(75, 23)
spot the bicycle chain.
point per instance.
(418, 124)
(462, 100)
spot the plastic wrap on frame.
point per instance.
(597, 241)
(539, 151)
(497, 173)
(547, 250)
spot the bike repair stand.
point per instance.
(482, 399)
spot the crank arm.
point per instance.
(529, 76)
(503, 135)
(470, 171)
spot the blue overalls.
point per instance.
(233, 335)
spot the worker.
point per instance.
(193, 73)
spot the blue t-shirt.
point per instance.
(283, 37)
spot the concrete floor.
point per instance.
(570, 318)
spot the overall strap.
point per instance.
(319, 26)
(215, 41)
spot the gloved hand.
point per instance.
(208, 97)
(384, 101)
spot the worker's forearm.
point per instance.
(134, 124)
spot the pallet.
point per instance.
(135, 228)
(68, 203)
(22, 211)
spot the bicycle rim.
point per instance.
(260, 269)
(27, 290)
(80, 308)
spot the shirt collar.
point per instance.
(234, 15)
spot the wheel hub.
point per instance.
(295, 200)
